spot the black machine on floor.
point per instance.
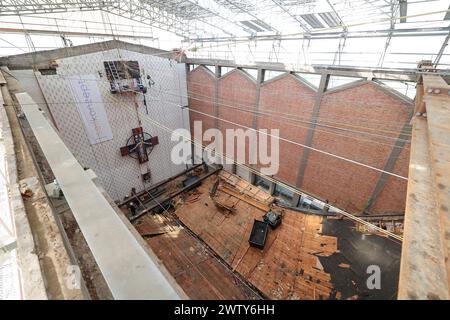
(273, 219)
(259, 234)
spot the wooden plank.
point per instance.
(198, 272)
(246, 187)
(289, 248)
(244, 198)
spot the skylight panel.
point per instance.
(312, 20)
(330, 19)
(252, 26)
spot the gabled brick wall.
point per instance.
(237, 102)
(201, 86)
(287, 96)
(347, 185)
(359, 121)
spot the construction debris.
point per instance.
(287, 266)
(194, 266)
(291, 261)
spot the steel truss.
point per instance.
(232, 21)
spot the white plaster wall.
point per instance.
(119, 174)
(29, 83)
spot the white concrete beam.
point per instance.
(128, 270)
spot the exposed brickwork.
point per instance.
(237, 101)
(345, 184)
(365, 107)
(201, 96)
(393, 196)
(293, 102)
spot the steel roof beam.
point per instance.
(349, 71)
(155, 17)
(207, 6)
(159, 14)
(433, 31)
(441, 50)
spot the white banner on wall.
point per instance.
(91, 108)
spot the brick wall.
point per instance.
(349, 186)
(359, 121)
(201, 84)
(290, 98)
(236, 103)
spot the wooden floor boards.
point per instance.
(288, 267)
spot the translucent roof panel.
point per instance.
(268, 75)
(445, 58)
(371, 33)
(406, 88)
(311, 78)
(336, 81)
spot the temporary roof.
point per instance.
(375, 33)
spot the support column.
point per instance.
(295, 199)
(218, 74)
(419, 104)
(322, 88)
(252, 178)
(272, 186)
(188, 68)
(259, 81)
(193, 154)
(390, 163)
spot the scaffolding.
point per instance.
(380, 33)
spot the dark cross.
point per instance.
(141, 145)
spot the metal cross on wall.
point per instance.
(139, 145)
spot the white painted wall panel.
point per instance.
(164, 100)
(30, 84)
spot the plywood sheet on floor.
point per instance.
(189, 261)
(287, 268)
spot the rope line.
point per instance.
(346, 214)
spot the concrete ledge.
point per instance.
(138, 236)
(128, 270)
(43, 58)
(31, 281)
